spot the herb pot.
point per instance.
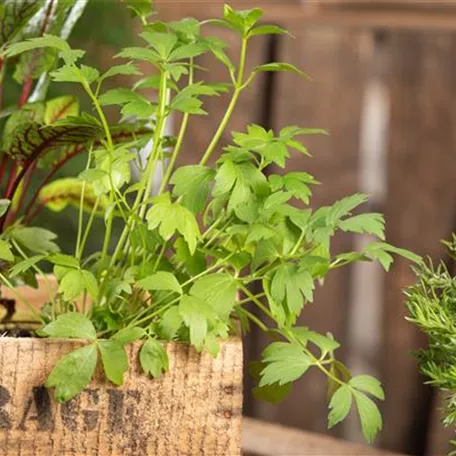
(193, 409)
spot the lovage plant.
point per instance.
(187, 258)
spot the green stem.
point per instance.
(237, 91)
(256, 320)
(254, 299)
(20, 297)
(87, 230)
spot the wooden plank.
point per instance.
(309, 13)
(266, 439)
(420, 211)
(333, 101)
(193, 409)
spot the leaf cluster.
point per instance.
(192, 248)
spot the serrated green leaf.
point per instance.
(285, 363)
(368, 384)
(115, 361)
(129, 335)
(371, 419)
(163, 43)
(161, 280)
(324, 343)
(72, 325)
(153, 358)
(5, 251)
(170, 322)
(194, 313)
(193, 184)
(340, 405)
(25, 265)
(126, 69)
(171, 217)
(280, 66)
(218, 291)
(4, 205)
(267, 30)
(37, 240)
(72, 285)
(365, 223)
(73, 373)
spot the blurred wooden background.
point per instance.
(384, 85)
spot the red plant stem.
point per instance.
(11, 180)
(24, 191)
(26, 89)
(28, 210)
(3, 164)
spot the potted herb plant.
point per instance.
(174, 292)
(432, 307)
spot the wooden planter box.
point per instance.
(194, 409)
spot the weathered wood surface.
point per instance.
(265, 439)
(420, 211)
(418, 15)
(194, 409)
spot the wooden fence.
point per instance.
(384, 85)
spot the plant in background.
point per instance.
(211, 232)
(38, 134)
(432, 307)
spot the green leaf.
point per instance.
(25, 265)
(196, 263)
(344, 207)
(61, 108)
(280, 66)
(291, 285)
(193, 184)
(286, 363)
(129, 335)
(324, 343)
(270, 393)
(267, 30)
(141, 8)
(72, 325)
(4, 205)
(170, 322)
(340, 405)
(161, 280)
(5, 251)
(219, 292)
(46, 41)
(37, 240)
(72, 285)
(115, 361)
(172, 217)
(139, 53)
(153, 358)
(194, 314)
(73, 373)
(371, 419)
(163, 43)
(90, 283)
(368, 384)
(126, 69)
(187, 51)
(365, 223)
